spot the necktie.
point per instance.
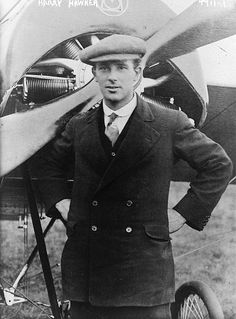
(111, 130)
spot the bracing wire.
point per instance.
(218, 114)
(34, 303)
(204, 246)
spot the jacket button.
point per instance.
(113, 154)
(129, 203)
(94, 228)
(95, 203)
(128, 229)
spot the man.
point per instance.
(117, 261)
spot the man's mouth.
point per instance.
(109, 87)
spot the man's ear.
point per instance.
(138, 71)
(94, 72)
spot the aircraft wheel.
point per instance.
(196, 300)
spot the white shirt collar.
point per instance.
(126, 110)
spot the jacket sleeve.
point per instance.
(51, 171)
(214, 169)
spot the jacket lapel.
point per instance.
(90, 144)
(139, 140)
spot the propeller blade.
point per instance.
(151, 83)
(202, 23)
(24, 133)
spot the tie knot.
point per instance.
(112, 117)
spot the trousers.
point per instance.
(81, 310)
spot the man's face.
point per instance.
(116, 80)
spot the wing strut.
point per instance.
(41, 243)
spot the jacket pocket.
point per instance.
(157, 232)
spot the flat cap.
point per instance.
(114, 47)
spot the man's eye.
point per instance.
(103, 67)
(122, 67)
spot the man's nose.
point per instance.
(112, 74)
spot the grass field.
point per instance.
(214, 263)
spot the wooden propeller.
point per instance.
(199, 25)
(24, 133)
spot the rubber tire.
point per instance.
(204, 292)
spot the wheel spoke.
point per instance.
(198, 306)
(190, 309)
(193, 308)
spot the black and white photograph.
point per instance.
(117, 159)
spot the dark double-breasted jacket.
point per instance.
(118, 251)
